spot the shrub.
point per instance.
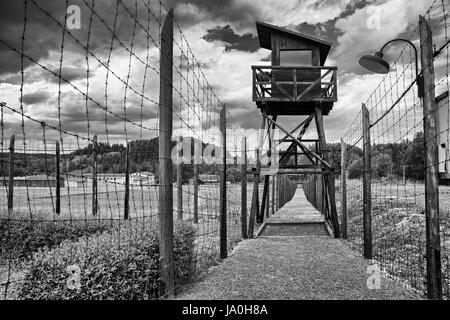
(355, 168)
(20, 238)
(117, 264)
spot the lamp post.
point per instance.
(376, 63)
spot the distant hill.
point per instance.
(110, 159)
(389, 160)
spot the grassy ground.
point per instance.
(399, 230)
(76, 205)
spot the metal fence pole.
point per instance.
(126, 206)
(179, 181)
(367, 180)
(223, 188)
(11, 175)
(165, 202)
(196, 167)
(273, 195)
(58, 179)
(344, 188)
(94, 177)
(277, 192)
(244, 189)
(268, 198)
(433, 251)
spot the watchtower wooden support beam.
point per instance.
(291, 86)
(254, 210)
(265, 198)
(329, 181)
(300, 144)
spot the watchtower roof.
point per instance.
(265, 31)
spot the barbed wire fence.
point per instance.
(82, 171)
(384, 197)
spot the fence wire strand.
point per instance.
(103, 82)
(398, 158)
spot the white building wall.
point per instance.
(443, 135)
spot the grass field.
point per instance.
(399, 229)
(37, 205)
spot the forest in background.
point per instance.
(390, 160)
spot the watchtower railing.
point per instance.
(294, 83)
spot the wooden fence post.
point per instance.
(254, 209)
(344, 188)
(264, 200)
(126, 206)
(94, 177)
(11, 175)
(244, 189)
(367, 187)
(223, 187)
(197, 159)
(318, 188)
(277, 195)
(165, 202)
(179, 181)
(58, 179)
(433, 249)
(273, 195)
(280, 191)
(268, 198)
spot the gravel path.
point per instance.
(293, 267)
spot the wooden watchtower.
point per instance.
(296, 84)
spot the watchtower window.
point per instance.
(295, 57)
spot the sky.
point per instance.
(222, 36)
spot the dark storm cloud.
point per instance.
(71, 74)
(246, 42)
(43, 34)
(268, 58)
(11, 26)
(75, 111)
(35, 98)
(327, 30)
(240, 14)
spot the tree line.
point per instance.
(389, 160)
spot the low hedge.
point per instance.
(118, 264)
(20, 238)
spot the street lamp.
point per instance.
(376, 63)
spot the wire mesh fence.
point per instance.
(398, 149)
(80, 173)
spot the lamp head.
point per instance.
(374, 62)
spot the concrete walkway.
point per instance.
(298, 210)
(293, 267)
